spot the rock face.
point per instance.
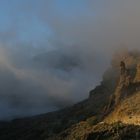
(128, 83)
(137, 78)
(128, 111)
(124, 104)
(124, 81)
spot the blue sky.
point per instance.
(16, 17)
(28, 18)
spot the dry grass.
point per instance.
(128, 111)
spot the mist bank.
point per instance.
(57, 52)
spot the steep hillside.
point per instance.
(111, 112)
(128, 111)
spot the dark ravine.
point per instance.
(93, 118)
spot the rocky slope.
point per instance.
(112, 110)
(128, 111)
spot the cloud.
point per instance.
(52, 56)
(40, 83)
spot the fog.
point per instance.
(58, 51)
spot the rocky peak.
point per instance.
(137, 77)
(124, 81)
(122, 67)
(125, 76)
(128, 83)
(129, 77)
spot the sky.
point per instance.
(53, 52)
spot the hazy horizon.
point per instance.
(52, 53)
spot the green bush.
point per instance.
(92, 121)
(118, 125)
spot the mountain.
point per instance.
(112, 111)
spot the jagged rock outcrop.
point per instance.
(124, 104)
(127, 111)
(124, 81)
(128, 83)
(137, 77)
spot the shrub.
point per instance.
(92, 120)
